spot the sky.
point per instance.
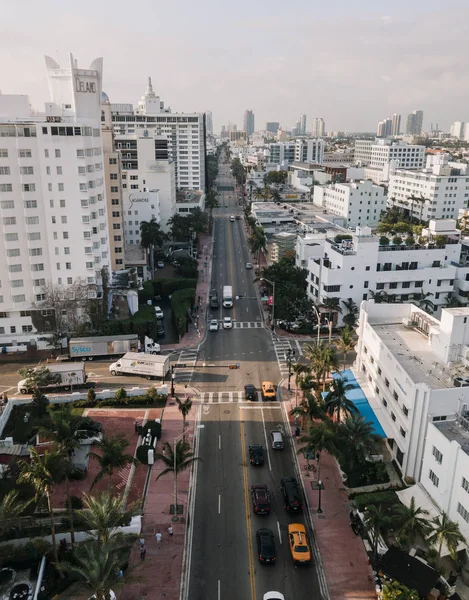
(351, 63)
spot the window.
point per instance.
(465, 484)
(365, 284)
(60, 187)
(62, 203)
(384, 401)
(433, 478)
(27, 328)
(3, 153)
(13, 252)
(6, 204)
(437, 454)
(68, 266)
(402, 432)
(32, 237)
(380, 286)
(405, 410)
(30, 203)
(63, 218)
(395, 396)
(19, 298)
(65, 235)
(386, 382)
(26, 171)
(37, 267)
(406, 284)
(418, 284)
(113, 176)
(463, 512)
(393, 416)
(16, 283)
(115, 201)
(39, 282)
(15, 268)
(66, 250)
(57, 154)
(32, 220)
(6, 187)
(11, 237)
(4, 170)
(28, 187)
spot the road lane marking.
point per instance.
(265, 437)
(247, 507)
(219, 596)
(279, 533)
(219, 503)
(219, 442)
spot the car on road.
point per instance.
(260, 499)
(160, 264)
(248, 265)
(292, 500)
(227, 323)
(265, 546)
(238, 217)
(256, 454)
(213, 325)
(273, 596)
(159, 313)
(232, 219)
(276, 439)
(268, 390)
(250, 392)
(160, 330)
(298, 541)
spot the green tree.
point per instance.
(198, 220)
(184, 408)
(176, 460)
(422, 300)
(104, 514)
(179, 227)
(39, 473)
(356, 435)
(323, 359)
(384, 240)
(111, 456)
(332, 306)
(321, 437)
(11, 508)
(39, 377)
(258, 241)
(346, 342)
(336, 402)
(410, 240)
(211, 202)
(446, 532)
(377, 521)
(40, 401)
(412, 521)
(151, 237)
(350, 318)
(398, 591)
(440, 240)
(397, 240)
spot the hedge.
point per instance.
(165, 287)
(145, 400)
(386, 498)
(23, 554)
(181, 301)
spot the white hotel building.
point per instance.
(53, 221)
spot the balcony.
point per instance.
(345, 250)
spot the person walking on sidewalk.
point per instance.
(143, 552)
(142, 541)
(158, 538)
(170, 531)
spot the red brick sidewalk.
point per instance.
(348, 575)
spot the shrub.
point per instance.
(409, 241)
(181, 301)
(342, 236)
(384, 240)
(187, 271)
(121, 395)
(91, 397)
(397, 240)
(76, 502)
(165, 287)
(147, 293)
(385, 498)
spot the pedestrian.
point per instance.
(136, 426)
(143, 552)
(158, 537)
(142, 542)
(170, 531)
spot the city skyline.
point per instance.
(426, 70)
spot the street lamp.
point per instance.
(173, 377)
(290, 353)
(330, 325)
(176, 440)
(272, 283)
(319, 321)
(319, 511)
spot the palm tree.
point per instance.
(379, 296)
(412, 521)
(398, 591)
(198, 220)
(451, 301)
(377, 521)
(308, 408)
(211, 201)
(333, 307)
(97, 566)
(358, 438)
(11, 508)
(179, 227)
(258, 241)
(151, 236)
(275, 195)
(176, 461)
(184, 408)
(346, 343)
(446, 532)
(104, 514)
(336, 402)
(112, 456)
(422, 301)
(39, 473)
(324, 360)
(320, 437)
(352, 311)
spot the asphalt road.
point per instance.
(223, 553)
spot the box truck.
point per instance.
(227, 296)
(91, 347)
(68, 377)
(137, 363)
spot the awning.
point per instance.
(425, 501)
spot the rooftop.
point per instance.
(456, 431)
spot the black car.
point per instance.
(292, 500)
(265, 546)
(250, 392)
(260, 499)
(160, 330)
(256, 454)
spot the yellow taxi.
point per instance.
(299, 547)
(268, 390)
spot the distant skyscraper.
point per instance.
(209, 122)
(272, 126)
(319, 127)
(298, 128)
(396, 124)
(303, 124)
(458, 129)
(414, 122)
(248, 123)
(384, 128)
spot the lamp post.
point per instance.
(290, 353)
(319, 511)
(173, 376)
(319, 322)
(330, 324)
(272, 283)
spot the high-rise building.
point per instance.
(185, 133)
(209, 122)
(310, 150)
(396, 124)
(303, 124)
(53, 227)
(414, 122)
(384, 128)
(248, 122)
(319, 127)
(272, 126)
(458, 129)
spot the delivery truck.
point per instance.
(145, 365)
(68, 377)
(101, 346)
(227, 296)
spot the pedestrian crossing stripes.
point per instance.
(245, 324)
(281, 348)
(188, 358)
(226, 397)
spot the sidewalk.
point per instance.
(343, 555)
(158, 577)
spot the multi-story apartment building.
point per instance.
(248, 122)
(361, 268)
(281, 153)
(407, 363)
(53, 222)
(185, 133)
(414, 123)
(318, 129)
(437, 192)
(360, 202)
(377, 154)
(396, 124)
(384, 128)
(209, 122)
(310, 150)
(362, 151)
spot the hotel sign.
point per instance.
(86, 87)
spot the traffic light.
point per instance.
(235, 366)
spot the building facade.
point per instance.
(318, 129)
(414, 123)
(396, 124)
(248, 122)
(310, 150)
(54, 227)
(282, 153)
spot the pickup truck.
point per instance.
(256, 455)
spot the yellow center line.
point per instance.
(247, 506)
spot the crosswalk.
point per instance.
(226, 397)
(244, 324)
(281, 347)
(188, 358)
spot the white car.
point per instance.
(232, 219)
(213, 325)
(159, 313)
(273, 596)
(248, 265)
(227, 323)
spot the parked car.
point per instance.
(277, 440)
(256, 454)
(248, 265)
(268, 390)
(227, 323)
(213, 325)
(250, 392)
(159, 313)
(260, 498)
(160, 264)
(265, 546)
(238, 217)
(292, 500)
(160, 330)
(298, 541)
